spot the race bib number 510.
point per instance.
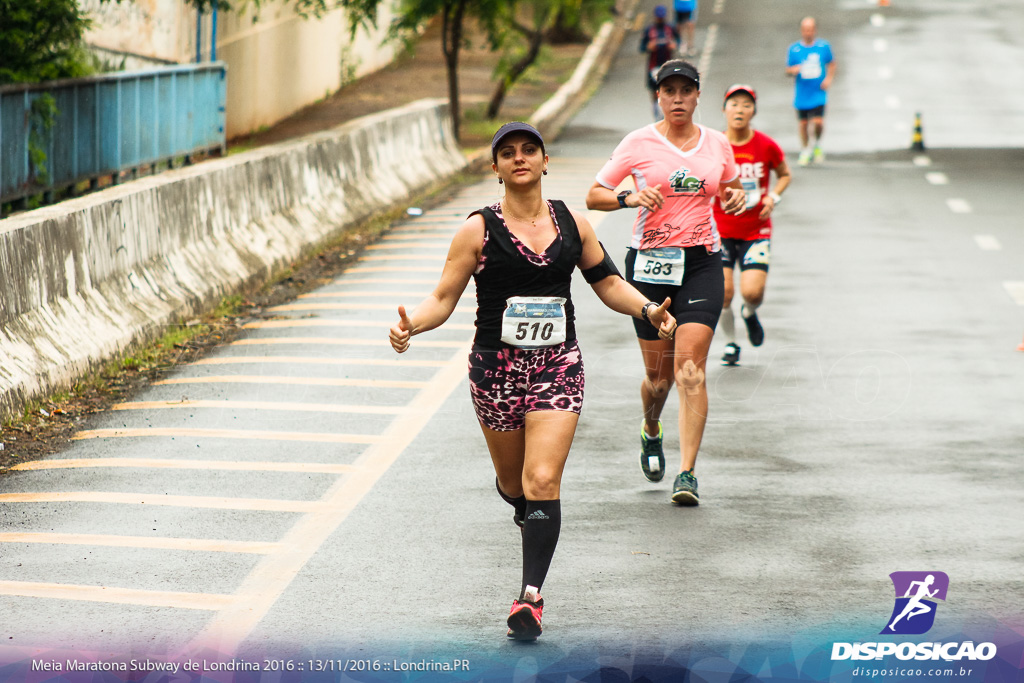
(533, 322)
(661, 266)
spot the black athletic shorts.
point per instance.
(683, 16)
(816, 112)
(698, 300)
(752, 255)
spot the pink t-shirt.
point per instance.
(689, 182)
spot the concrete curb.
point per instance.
(87, 278)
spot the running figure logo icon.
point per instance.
(916, 593)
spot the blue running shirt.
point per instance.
(813, 60)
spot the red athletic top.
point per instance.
(756, 159)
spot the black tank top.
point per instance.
(505, 271)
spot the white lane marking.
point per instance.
(957, 205)
(877, 20)
(892, 102)
(167, 464)
(709, 47)
(274, 573)
(123, 596)
(1016, 290)
(155, 542)
(937, 178)
(256, 504)
(988, 242)
(881, 44)
(884, 73)
(719, 6)
(922, 160)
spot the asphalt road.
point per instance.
(306, 494)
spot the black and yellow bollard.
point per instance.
(918, 142)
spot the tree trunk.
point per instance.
(514, 72)
(451, 43)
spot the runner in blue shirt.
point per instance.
(810, 62)
(686, 18)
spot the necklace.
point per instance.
(532, 221)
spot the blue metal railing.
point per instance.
(105, 125)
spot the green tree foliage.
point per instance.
(40, 40)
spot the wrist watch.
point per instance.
(775, 197)
(643, 311)
(622, 198)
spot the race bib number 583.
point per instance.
(661, 266)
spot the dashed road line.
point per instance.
(957, 205)
(335, 322)
(988, 242)
(1015, 288)
(151, 542)
(124, 596)
(241, 434)
(260, 405)
(295, 381)
(253, 504)
(169, 464)
(937, 178)
(710, 39)
(338, 341)
(922, 160)
(877, 20)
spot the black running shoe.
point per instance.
(684, 492)
(754, 330)
(652, 457)
(732, 355)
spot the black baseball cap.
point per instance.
(513, 127)
(678, 67)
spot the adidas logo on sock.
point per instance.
(538, 514)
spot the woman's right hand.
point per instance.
(399, 334)
(650, 198)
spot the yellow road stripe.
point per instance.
(261, 405)
(385, 281)
(335, 341)
(304, 360)
(391, 269)
(379, 292)
(154, 542)
(167, 464)
(409, 245)
(257, 504)
(331, 322)
(405, 257)
(273, 574)
(420, 236)
(122, 596)
(313, 437)
(300, 381)
(352, 307)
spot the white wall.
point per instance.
(277, 64)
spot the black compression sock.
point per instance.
(518, 503)
(540, 536)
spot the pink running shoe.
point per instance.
(524, 617)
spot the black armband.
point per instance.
(602, 270)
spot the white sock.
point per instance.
(727, 322)
(746, 310)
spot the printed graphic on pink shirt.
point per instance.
(689, 181)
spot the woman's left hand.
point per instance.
(734, 201)
(663, 320)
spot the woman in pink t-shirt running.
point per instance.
(678, 167)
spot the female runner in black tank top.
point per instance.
(526, 371)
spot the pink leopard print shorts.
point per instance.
(509, 383)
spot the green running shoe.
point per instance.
(652, 457)
(684, 492)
